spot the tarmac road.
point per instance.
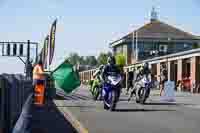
(155, 117)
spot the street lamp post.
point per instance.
(168, 70)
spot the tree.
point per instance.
(91, 60)
(74, 58)
(120, 60)
(102, 58)
(195, 45)
(82, 60)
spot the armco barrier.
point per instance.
(23, 123)
(2, 102)
(50, 91)
(14, 92)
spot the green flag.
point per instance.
(66, 78)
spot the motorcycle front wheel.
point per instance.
(141, 95)
(113, 100)
(96, 93)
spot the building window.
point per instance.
(185, 45)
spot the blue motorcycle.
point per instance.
(111, 92)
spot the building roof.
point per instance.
(170, 57)
(159, 30)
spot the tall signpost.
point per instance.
(16, 49)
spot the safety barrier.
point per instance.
(86, 76)
(50, 91)
(14, 90)
(23, 123)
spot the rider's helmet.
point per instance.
(111, 60)
(146, 65)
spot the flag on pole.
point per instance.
(45, 51)
(52, 41)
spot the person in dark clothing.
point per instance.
(163, 77)
(97, 74)
(110, 69)
(145, 70)
(130, 80)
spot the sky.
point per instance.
(86, 26)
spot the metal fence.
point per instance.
(14, 90)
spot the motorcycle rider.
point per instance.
(110, 68)
(96, 82)
(144, 71)
(98, 73)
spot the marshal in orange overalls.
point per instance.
(39, 86)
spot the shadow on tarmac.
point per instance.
(75, 97)
(143, 110)
(162, 103)
(167, 103)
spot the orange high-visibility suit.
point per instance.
(39, 86)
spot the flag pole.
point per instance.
(48, 62)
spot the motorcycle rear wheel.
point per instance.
(141, 95)
(105, 106)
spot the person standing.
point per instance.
(163, 78)
(39, 84)
(130, 81)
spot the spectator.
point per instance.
(163, 77)
(130, 81)
(179, 85)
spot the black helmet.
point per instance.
(111, 60)
(146, 65)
